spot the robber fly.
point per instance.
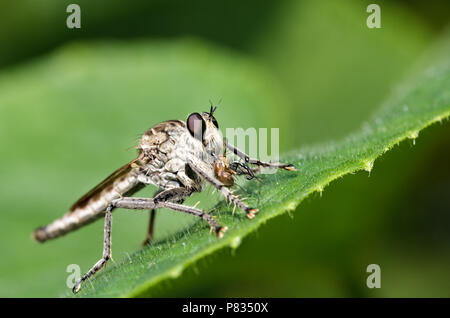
(177, 157)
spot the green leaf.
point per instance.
(421, 101)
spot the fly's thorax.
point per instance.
(162, 137)
(172, 144)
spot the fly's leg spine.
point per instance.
(231, 198)
(250, 212)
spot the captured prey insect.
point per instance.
(177, 157)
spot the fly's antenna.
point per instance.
(213, 108)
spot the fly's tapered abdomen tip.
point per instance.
(40, 234)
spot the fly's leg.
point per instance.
(150, 230)
(176, 195)
(151, 223)
(106, 251)
(146, 203)
(240, 168)
(224, 190)
(247, 159)
(142, 204)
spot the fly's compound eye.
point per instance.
(196, 126)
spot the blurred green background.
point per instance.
(73, 103)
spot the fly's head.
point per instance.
(204, 128)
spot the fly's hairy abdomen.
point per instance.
(90, 207)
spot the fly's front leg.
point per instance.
(106, 251)
(247, 159)
(224, 190)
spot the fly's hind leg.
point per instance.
(106, 251)
(143, 204)
(176, 195)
